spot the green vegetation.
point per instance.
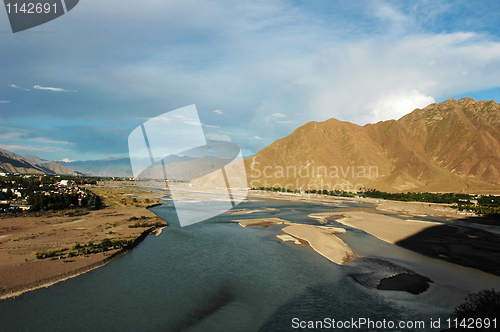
(48, 192)
(485, 304)
(50, 254)
(483, 205)
(449, 198)
(53, 201)
(86, 248)
(144, 222)
(486, 205)
(318, 192)
(276, 190)
(96, 247)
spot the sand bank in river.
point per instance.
(263, 222)
(323, 241)
(245, 211)
(457, 244)
(320, 238)
(386, 228)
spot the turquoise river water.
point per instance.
(219, 276)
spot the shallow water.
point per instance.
(219, 276)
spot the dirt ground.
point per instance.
(124, 217)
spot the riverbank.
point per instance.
(22, 237)
(419, 209)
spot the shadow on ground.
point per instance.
(462, 245)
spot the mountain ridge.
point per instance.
(14, 163)
(450, 146)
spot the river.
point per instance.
(218, 276)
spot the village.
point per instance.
(41, 192)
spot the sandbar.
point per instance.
(286, 237)
(320, 238)
(386, 228)
(323, 241)
(262, 222)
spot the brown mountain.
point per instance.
(13, 163)
(453, 146)
(52, 167)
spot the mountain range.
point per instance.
(119, 167)
(453, 146)
(14, 163)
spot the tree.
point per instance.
(97, 202)
(485, 304)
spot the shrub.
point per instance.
(485, 304)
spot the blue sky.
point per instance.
(77, 86)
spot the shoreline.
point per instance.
(16, 291)
(123, 218)
(422, 209)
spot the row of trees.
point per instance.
(313, 191)
(484, 205)
(42, 202)
(450, 198)
(55, 201)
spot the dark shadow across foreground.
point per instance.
(462, 245)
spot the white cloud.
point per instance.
(66, 160)
(397, 21)
(193, 122)
(17, 87)
(4, 101)
(386, 12)
(350, 79)
(10, 135)
(23, 136)
(398, 104)
(29, 148)
(209, 126)
(46, 140)
(38, 87)
(354, 62)
(218, 137)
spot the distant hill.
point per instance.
(105, 167)
(14, 163)
(186, 169)
(121, 167)
(453, 146)
(34, 159)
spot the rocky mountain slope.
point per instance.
(14, 163)
(453, 146)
